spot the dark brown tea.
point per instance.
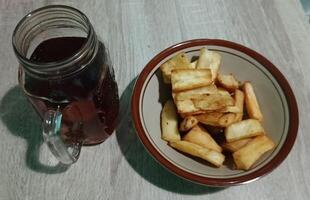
(88, 99)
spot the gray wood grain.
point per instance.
(134, 31)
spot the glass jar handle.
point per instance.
(65, 153)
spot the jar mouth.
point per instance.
(52, 16)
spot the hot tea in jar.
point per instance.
(66, 73)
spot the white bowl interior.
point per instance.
(270, 96)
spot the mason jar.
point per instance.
(66, 74)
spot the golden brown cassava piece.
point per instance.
(179, 61)
(251, 102)
(210, 60)
(186, 79)
(211, 156)
(200, 136)
(169, 122)
(188, 123)
(243, 129)
(246, 156)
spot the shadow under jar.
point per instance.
(66, 74)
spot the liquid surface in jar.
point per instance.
(90, 95)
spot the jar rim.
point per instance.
(46, 65)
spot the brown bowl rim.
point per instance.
(282, 81)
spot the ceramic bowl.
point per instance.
(274, 94)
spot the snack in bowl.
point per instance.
(193, 149)
(273, 93)
(169, 122)
(201, 95)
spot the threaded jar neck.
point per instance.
(53, 22)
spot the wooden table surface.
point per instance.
(135, 31)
